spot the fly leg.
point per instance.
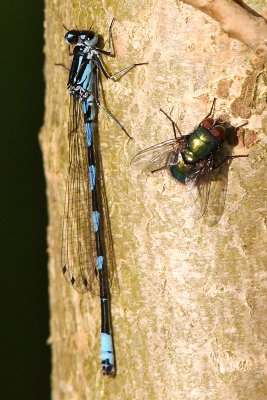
(227, 158)
(236, 136)
(174, 125)
(159, 169)
(209, 114)
(211, 110)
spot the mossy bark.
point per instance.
(190, 318)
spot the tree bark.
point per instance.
(189, 320)
(238, 20)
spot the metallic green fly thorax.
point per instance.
(200, 145)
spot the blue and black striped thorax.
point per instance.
(202, 144)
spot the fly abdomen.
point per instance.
(179, 169)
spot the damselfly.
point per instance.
(87, 243)
(192, 159)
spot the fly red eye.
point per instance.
(218, 132)
(207, 123)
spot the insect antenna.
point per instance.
(64, 26)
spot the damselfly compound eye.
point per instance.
(71, 37)
(91, 39)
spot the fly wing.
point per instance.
(156, 157)
(217, 197)
(218, 186)
(210, 188)
(78, 239)
(199, 179)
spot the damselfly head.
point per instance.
(89, 38)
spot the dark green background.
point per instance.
(25, 356)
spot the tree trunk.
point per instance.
(189, 320)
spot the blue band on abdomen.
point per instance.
(107, 348)
(88, 130)
(100, 261)
(92, 173)
(96, 220)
